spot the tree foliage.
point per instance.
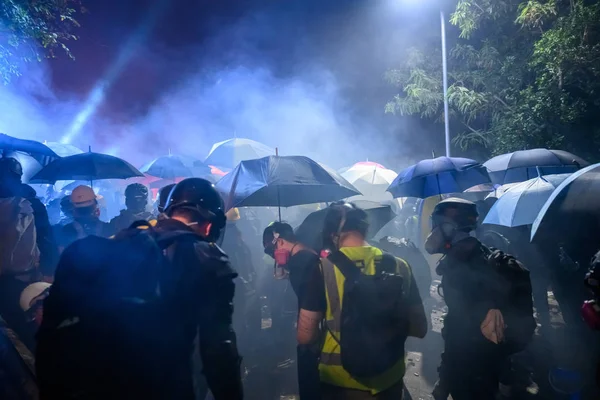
(522, 74)
(34, 29)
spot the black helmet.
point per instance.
(163, 196)
(343, 217)
(136, 190)
(11, 166)
(201, 196)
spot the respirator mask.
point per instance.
(445, 233)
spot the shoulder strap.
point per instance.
(345, 265)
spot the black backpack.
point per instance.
(517, 304)
(108, 330)
(373, 320)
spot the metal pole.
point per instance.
(445, 82)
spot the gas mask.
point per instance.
(444, 234)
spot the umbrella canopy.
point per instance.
(572, 209)
(521, 204)
(525, 164)
(41, 153)
(372, 180)
(438, 176)
(86, 167)
(63, 150)
(281, 181)
(310, 231)
(231, 152)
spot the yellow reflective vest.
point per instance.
(330, 367)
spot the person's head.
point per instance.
(278, 241)
(196, 203)
(85, 203)
(11, 172)
(32, 301)
(163, 195)
(452, 220)
(136, 197)
(345, 225)
(233, 215)
(66, 207)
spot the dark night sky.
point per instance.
(355, 39)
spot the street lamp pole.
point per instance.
(445, 83)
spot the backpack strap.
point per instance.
(333, 296)
(346, 266)
(388, 264)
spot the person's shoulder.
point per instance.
(213, 259)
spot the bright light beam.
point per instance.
(98, 94)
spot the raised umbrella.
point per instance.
(86, 167)
(371, 179)
(571, 213)
(231, 152)
(434, 177)
(40, 152)
(521, 204)
(175, 166)
(281, 181)
(523, 165)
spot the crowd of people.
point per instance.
(162, 301)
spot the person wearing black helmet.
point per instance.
(11, 186)
(490, 311)
(161, 201)
(205, 279)
(136, 201)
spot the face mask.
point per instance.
(590, 311)
(282, 256)
(443, 237)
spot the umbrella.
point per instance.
(572, 207)
(231, 152)
(521, 204)
(172, 166)
(86, 167)
(281, 182)
(63, 150)
(438, 176)
(310, 231)
(41, 153)
(372, 180)
(523, 165)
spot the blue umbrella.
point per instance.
(438, 176)
(572, 209)
(281, 181)
(86, 167)
(231, 152)
(525, 164)
(41, 153)
(173, 166)
(521, 204)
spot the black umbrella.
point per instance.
(523, 165)
(86, 167)
(284, 181)
(571, 213)
(310, 231)
(40, 152)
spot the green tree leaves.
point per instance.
(33, 29)
(523, 74)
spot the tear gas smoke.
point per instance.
(305, 105)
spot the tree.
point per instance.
(34, 29)
(523, 74)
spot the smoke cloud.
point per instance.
(298, 99)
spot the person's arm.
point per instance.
(313, 305)
(417, 320)
(218, 347)
(45, 238)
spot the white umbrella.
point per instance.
(372, 180)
